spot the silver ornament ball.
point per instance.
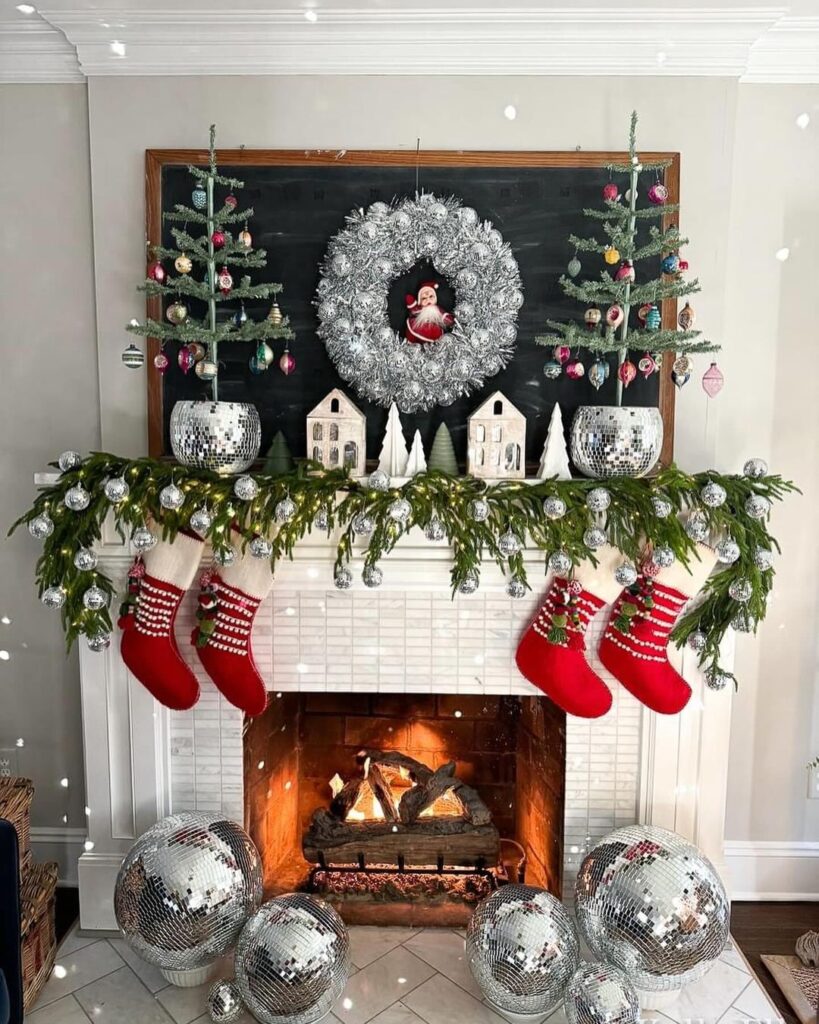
(598, 499)
(400, 510)
(363, 524)
(378, 481)
(763, 559)
(260, 547)
(755, 468)
(224, 1002)
(470, 583)
(650, 903)
(663, 556)
(201, 521)
(560, 563)
(554, 507)
(625, 574)
(599, 993)
(77, 498)
(595, 538)
(662, 506)
(185, 890)
(509, 544)
(116, 489)
(434, 530)
(343, 579)
(68, 461)
(246, 488)
(53, 597)
(697, 641)
(713, 495)
(696, 526)
(321, 520)
(372, 576)
(172, 497)
(143, 539)
(284, 510)
(41, 526)
(727, 551)
(742, 622)
(757, 506)
(522, 949)
(224, 556)
(715, 679)
(95, 598)
(85, 560)
(479, 510)
(515, 587)
(741, 589)
(98, 642)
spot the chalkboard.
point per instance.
(301, 199)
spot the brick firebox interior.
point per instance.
(510, 749)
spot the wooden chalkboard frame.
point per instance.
(157, 159)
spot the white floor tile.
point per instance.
(65, 1011)
(74, 941)
(732, 956)
(444, 950)
(185, 1004)
(380, 984)
(149, 975)
(370, 943)
(441, 1001)
(709, 997)
(121, 998)
(754, 1003)
(397, 1014)
(74, 970)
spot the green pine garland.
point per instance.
(629, 520)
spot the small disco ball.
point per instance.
(185, 890)
(224, 1002)
(649, 902)
(292, 960)
(522, 949)
(601, 994)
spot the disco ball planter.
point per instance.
(611, 440)
(222, 436)
(522, 950)
(650, 903)
(184, 892)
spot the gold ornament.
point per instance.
(197, 350)
(177, 312)
(245, 238)
(611, 255)
(275, 315)
(206, 370)
(687, 317)
(183, 264)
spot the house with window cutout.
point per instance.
(337, 434)
(496, 440)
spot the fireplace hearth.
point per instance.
(402, 808)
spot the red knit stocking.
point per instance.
(156, 585)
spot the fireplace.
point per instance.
(402, 808)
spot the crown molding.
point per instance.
(750, 43)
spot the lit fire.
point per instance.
(367, 807)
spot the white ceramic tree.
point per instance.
(417, 462)
(394, 454)
(554, 462)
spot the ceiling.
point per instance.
(69, 40)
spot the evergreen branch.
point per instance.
(616, 210)
(202, 175)
(182, 214)
(197, 330)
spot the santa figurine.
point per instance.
(426, 321)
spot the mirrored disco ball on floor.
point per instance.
(607, 440)
(222, 436)
(186, 888)
(648, 901)
(601, 994)
(292, 960)
(522, 949)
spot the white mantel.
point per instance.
(143, 761)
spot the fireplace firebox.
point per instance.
(404, 808)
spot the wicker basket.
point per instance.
(37, 929)
(15, 804)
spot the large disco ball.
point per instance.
(601, 994)
(522, 949)
(651, 903)
(292, 960)
(186, 888)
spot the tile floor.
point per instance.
(401, 976)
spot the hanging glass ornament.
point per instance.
(575, 370)
(183, 264)
(224, 556)
(716, 679)
(285, 510)
(161, 362)
(682, 366)
(343, 578)
(199, 196)
(592, 317)
(399, 510)
(378, 480)
(696, 526)
(663, 557)
(94, 598)
(116, 489)
(206, 370)
(264, 354)
(479, 510)
(256, 365)
(682, 266)
(470, 583)
(321, 520)
(713, 494)
(646, 365)
(552, 369)
(754, 469)
(741, 590)
(224, 280)
(598, 373)
(626, 372)
(246, 488)
(554, 507)
(670, 264)
(197, 350)
(574, 266)
(625, 574)
(133, 357)
(643, 311)
(275, 315)
(697, 641)
(598, 499)
(610, 192)
(240, 316)
(172, 497)
(201, 521)
(560, 563)
(434, 530)
(687, 317)
(156, 272)
(41, 526)
(757, 506)
(53, 597)
(662, 506)
(245, 238)
(657, 194)
(85, 560)
(743, 621)
(680, 379)
(595, 538)
(372, 576)
(287, 362)
(260, 547)
(562, 353)
(143, 539)
(611, 255)
(185, 359)
(231, 202)
(509, 544)
(625, 272)
(68, 461)
(77, 498)
(177, 313)
(363, 524)
(614, 315)
(727, 551)
(763, 559)
(712, 381)
(98, 642)
(515, 587)
(218, 239)
(653, 317)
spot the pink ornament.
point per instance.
(627, 371)
(713, 381)
(649, 568)
(657, 194)
(156, 272)
(625, 272)
(575, 370)
(161, 362)
(682, 266)
(218, 239)
(287, 364)
(185, 360)
(562, 353)
(610, 193)
(614, 315)
(647, 365)
(225, 280)
(231, 202)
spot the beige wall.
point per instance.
(747, 188)
(48, 402)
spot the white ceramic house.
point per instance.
(337, 433)
(496, 440)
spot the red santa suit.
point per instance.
(426, 321)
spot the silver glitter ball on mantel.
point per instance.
(201, 521)
(554, 507)
(662, 506)
(716, 679)
(479, 510)
(757, 506)
(98, 642)
(595, 538)
(260, 547)
(285, 510)
(292, 960)
(222, 436)
(85, 560)
(434, 530)
(224, 556)
(68, 461)
(470, 583)
(755, 468)
(625, 574)
(560, 563)
(727, 551)
(363, 524)
(246, 488)
(600, 993)
(224, 1002)
(609, 441)
(741, 589)
(321, 520)
(522, 949)
(343, 579)
(372, 576)
(116, 489)
(143, 539)
(696, 526)
(713, 495)
(598, 499)
(697, 641)
(400, 510)
(378, 481)
(515, 587)
(41, 526)
(53, 597)
(509, 544)
(742, 622)
(77, 498)
(172, 497)
(185, 890)
(650, 903)
(763, 559)
(95, 598)
(663, 556)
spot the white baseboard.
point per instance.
(64, 845)
(759, 870)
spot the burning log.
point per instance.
(424, 794)
(382, 791)
(344, 801)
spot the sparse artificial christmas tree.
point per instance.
(394, 454)
(554, 462)
(278, 460)
(442, 453)
(194, 320)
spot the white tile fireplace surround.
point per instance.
(143, 761)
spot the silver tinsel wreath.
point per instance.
(379, 245)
